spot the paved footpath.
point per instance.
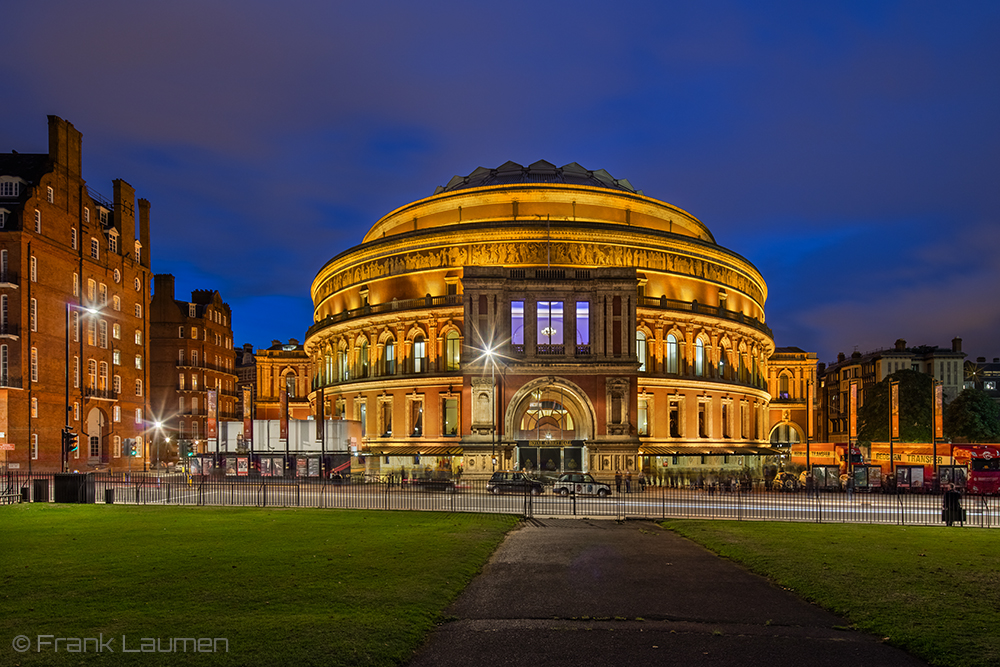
(596, 592)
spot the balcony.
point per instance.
(664, 303)
(389, 307)
(8, 382)
(8, 278)
(100, 394)
(9, 329)
(205, 365)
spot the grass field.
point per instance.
(929, 590)
(299, 587)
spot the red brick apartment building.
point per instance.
(191, 354)
(74, 327)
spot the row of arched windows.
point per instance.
(747, 368)
(361, 362)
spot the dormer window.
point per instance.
(10, 188)
(103, 215)
(113, 242)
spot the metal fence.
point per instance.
(754, 502)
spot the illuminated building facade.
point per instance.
(945, 365)
(791, 381)
(543, 318)
(282, 367)
(74, 291)
(191, 354)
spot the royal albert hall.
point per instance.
(545, 319)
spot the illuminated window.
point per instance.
(550, 325)
(642, 419)
(34, 269)
(419, 354)
(50, 195)
(34, 364)
(38, 221)
(33, 314)
(72, 238)
(363, 359)
(517, 324)
(390, 358)
(640, 350)
(450, 417)
(583, 327)
(453, 351)
(699, 357)
(673, 355)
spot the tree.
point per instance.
(914, 409)
(973, 417)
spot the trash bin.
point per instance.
(109, 496)
(41, 490)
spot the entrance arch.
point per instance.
(786, 434)
(95, 445)
(550, 419)
(550, 408)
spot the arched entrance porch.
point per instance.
(550, 420)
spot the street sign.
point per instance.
(14, 466)
(6, 446)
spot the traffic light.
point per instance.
(69, 440)
(130, 446)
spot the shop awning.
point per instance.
(407, 450)
(716, 450)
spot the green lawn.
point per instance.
(932, 591)
(302, 587)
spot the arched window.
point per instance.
(328, 367)
(390, 357)
(419, 352)
(699, 357)
(290, 385)
(673, 357)
(363, 359)
(103, 382)
(342, 373)
(783, 386)
(640, 349)
(722, 362)
(453, 351)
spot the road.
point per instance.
(652, 503)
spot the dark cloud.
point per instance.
(849, 150)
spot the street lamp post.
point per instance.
(493, 390)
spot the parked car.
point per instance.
(582, 484)
(513, 482)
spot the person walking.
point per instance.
(952, 506)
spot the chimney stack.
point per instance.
(956, 344)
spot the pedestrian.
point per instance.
(628, 482)
(810, 485)
(642, 481)
(618, 481)
(952, 506)
(850, 487)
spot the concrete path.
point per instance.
(596, 592)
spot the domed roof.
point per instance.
(511, 173)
